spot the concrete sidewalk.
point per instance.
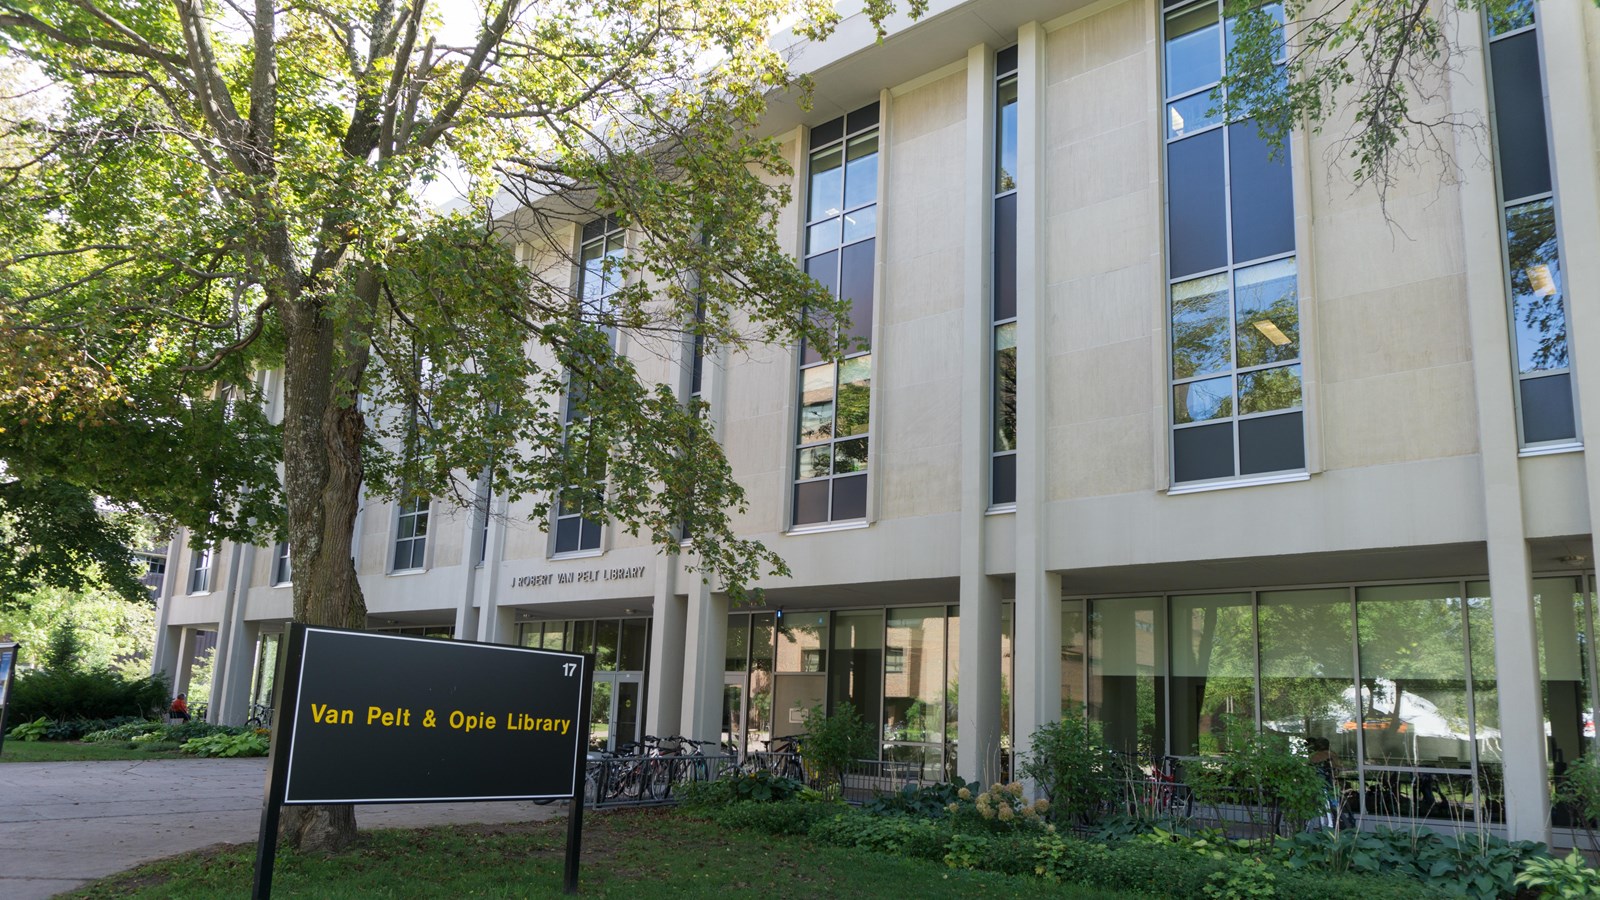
(65, 824)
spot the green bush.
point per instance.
(833, 742)
(1466, 865)
(1562, 878)
(77, 729)
(30, 731)
(1076, 769)
(900, 835)
(931, 801)
(247, 744)
(1267, 773)
(68, 695)
(1000, 809)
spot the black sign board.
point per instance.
(375, 718)
(8, 667)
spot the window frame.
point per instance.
(201, 563)
(602, 233)
(420, 511)
(1230, 269)
(841, 143)
(282, 565)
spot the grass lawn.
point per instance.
(73, 751)
(626, 853)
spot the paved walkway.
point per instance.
(64, 824)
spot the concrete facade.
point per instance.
(1413, 470)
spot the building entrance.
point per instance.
(614, 709)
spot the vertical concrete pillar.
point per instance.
(1565, 27)
(1510, 570)
(977, 664)
(235, 651)
(467, 626)
(664, 684)
(1036, 691)
(705, 654)
(164, 656)
(496, 624)
(230, 683)
(183, 660)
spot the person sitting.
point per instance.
(179, 709)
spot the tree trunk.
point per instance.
(322, 472)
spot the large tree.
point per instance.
(224, 187)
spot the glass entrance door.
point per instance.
(614, 710)
(733, 712)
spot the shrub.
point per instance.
(1263, 768)
(1563, 878)
(30, 731)
(1466, 865)
(902, 835)
(65, 695)
(76, 729)
(1073, 765)
(832, 742)
(1002, 808)
(247, 744)
(930, 801)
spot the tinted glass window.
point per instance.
(1547, 409)
(811, 503)
(1005, 257)
(1519, 116)
(1197, 226)
(1263, 196)
(1203, 452)
(857, 288)
(1271, 444)
(849, 497)
(1005, 479)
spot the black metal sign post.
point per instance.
(372, 718)
(9, 652)
(287, 683)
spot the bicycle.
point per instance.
(260, 716)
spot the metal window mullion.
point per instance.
(1174, 281)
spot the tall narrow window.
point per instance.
(411, 534)
(200, 571)
(841, 232)
(577, 527)
(1537, 300)
(1233, 300)
(1003, 464)
(282, 565)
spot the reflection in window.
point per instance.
(914, 684)
(1127, 674)
(1213, 672)
(1234, 309)
(1563, 619)
(842, 223)
(855, 672)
